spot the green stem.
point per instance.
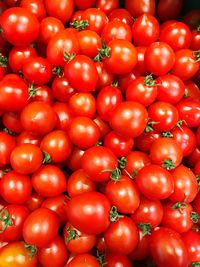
(146, 228)
(32, 249)
(114, 215)
(46, 158)
(103, 52)
(168, 164)
(6, 220)
(79, 25)
(72, 234)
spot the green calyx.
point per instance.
(3, 61)
(149, 127)
(103, 52)
(72, 234)
(79, 25)
(69, 56)
(5, 219)
(145, 227)
(167, 134)
(168, 164)
(114, 215)
(32, 249)
(46, 158)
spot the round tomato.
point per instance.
(83, 259)
(169, 9)
(7, 144)
(113, 260)
(36, 7)
(192, 243)
(137, 8)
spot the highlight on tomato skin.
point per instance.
(99, 133)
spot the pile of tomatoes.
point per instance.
(100, 134)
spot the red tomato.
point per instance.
(27, 138)
(121, 14)
(36, 7)
(15, 188)
(34, 202)
(89, 212)
(86, 259)
(20, 26)
(84, 4)
(105, 76)
(146, 139)
(40, 227)
(168, 249)
(54, 254)
(103, 126)
(141, 66)
(169, 9)
(195, 43)
(49, 181)
(62, 90)
(7, 144)
(154, 182)
(41, 93)
(11, 120)
(137, 8)
(74, 160)
(107, 5)
(192, 243)
(113, 260)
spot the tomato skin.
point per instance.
(27, 138)
(40, 227)
(7, 144)
(195, 43)
(160, 188)
(122, 236)
(84, 5)
(105, 77)
(54, 254)
(145, 30)
(138, 8)
(192, 243)
(87, 259)
(36, 7)
(89, 212)
(46, 118)
(58, 145)
(124, 53)
(141, 66)
(79, 183)
(19, 25)
(62, 90)
(185, 185)
(42, 93)
(169, 9)
(129, 119)
(126, 202)
(15, 188)
(149, 211)
(121, 14)
(74, 160)
(81, 73)
(64, 115)
(81, 243)
(34, 202)
(107, 100)
(26, 158)
(61, 10)
(113, 260)
(96, 160)
(145, 140)
(49, 181)
(16, 254)
(159, 58)
(168, 249)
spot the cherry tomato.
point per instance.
(138, 8)
(169, 9)
(7, 144)
(87, 259)
(11, 120)
(121, 14)
(36, 7)
(192, 243)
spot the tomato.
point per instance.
(15, 188)
(154, 182)
(40, 227)
(129, 119)
(14, 93)
(164, 115)
(138, 8)
(107, 100)
(122, 236)
(49, 181)
(142, 91)
(38, 118)
(189, 111)
(105, 76)
(140, 66)
(116, 30)
(159, 58)
(192, 18)
(81, 73)
(64, 115)
(11, 223)
(170, 88)
(89, 212)
(18, 55)
(36, 7)
(78, 242)
(79, 183)
(192, 243)
(63, 41)
(34, 202)
(195, 43)
(27, 138)
(58, 205)
(119, 145)
(124, 53)
(185, 185)
(193, 157)
(84, 5)
(54, 254)
(20, 26)
(7, 144)
(123, 194)
(61, 10)
(62, 90)
(26, 158)
(177, 35)
(83, 132)
(107, 6)
(121, 14)
(96, 18)
(97, 162)
(89, 42)
(169, 9)
(186, 64)
(41, 93)
(113, 260)
(167, 248)
(74, 160)
(11, 120)
(103, 126)
(58, 145)
(148, 212)
(87, 259)
(37, 70)
(17, 254)
(145, 140)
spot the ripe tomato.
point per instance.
(26, 158)
(122, 236)
(83, 259)
(145, 140)
(74, 160)
(20, 26)
(154, 182)
(7, 144)
(191, 240)
(84, 5)
(159, 58)
(54, 254)
(40, 227)
(27, 138)
(121, 14)
(78, 242)
(15, 188)
(36, 7)
(34, 202)
(107, 5)
(11, 120)
(168, 249)
(18, 254)
(41, 93)
(62, 90)
(137, 8)
(113, 260)
(49, 181)
(89, 212)
(169, 9)
(105, 76)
